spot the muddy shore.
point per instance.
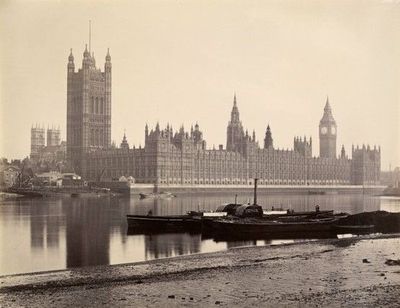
(344, 272)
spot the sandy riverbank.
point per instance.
(323, 273)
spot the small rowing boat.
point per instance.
(156, 195)
(163, 223)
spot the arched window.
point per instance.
(97, 137)
(92, 137)
(97, 106)
(101, 141)
(92, 105)
(101, 106)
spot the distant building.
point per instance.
(52, 151)
(181, 157)
(51, 178)
(55, 178)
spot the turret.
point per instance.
(87, 61)
(107, 97)
(146, 131)
(124, 144)
(71, 64)
(108, 57)
(93, 60)
(342, 152)
(268, 141)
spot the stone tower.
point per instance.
(327, 133)
(53, 136)
(37, 141)
(235, 132)
(88, 108)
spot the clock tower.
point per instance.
(327, 133)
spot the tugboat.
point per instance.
(249, 220)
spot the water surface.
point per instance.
(52, 233)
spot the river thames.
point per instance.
(58, 233)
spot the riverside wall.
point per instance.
(136, 188)
(261, 189)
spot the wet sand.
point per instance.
(323, 273)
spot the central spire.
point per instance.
(235, 110)
(327, 116)
(327, 105)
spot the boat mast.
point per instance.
(255, 191)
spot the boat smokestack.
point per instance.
(255, 191)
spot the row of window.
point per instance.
(261, 182)
(96, 105)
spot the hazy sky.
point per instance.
(181, 61)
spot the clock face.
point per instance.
(324, 130)
(333, 130)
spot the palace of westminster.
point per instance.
(182, 158)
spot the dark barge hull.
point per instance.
(354, 229)
(224, 237)
(266, 229)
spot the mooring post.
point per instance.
(255, 191)
(235, 199)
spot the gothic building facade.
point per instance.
(182, 157)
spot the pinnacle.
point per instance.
(327, 105)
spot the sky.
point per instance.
(180, 62)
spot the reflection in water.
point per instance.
(390, 204)
(233, 244)
(169, 245)
(45, 234)
(87, 232)
(45, 225)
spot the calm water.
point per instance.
(48, 234)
